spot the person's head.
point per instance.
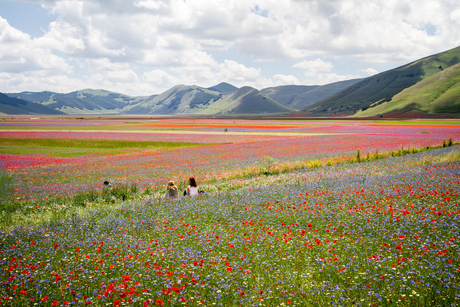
(106, 182)
(171, 186)
(192, 182)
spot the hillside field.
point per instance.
(296, 212)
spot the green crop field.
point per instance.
(76, 147)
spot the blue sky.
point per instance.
(144, 47)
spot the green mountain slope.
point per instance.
(15, 106)
(177, 100)
(223, 88)
(439, 93)
(196, 100)
(81, 102)
(33, 96)
(299, 97)
(181, 99)
(248, 100)
(383, 86)
(285, 94)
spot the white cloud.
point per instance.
(19, 54)
(171, 41)
(113, 72)
(62, 37)
(320, 72)
(374, 31)
(286, 80)
(39, 81)
(151, 4)
(104, 64)
(370, 71)
(160, 79)
(314, 67)
(233, 71)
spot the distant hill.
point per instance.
(439, 93)
(177, 100)
(183, 99)
(221, 99)
(15, 106)
(285, 94)
(223, 88)
(382, 87)
(299, 97)
(86, 101)
(248, 100)
(33, 96)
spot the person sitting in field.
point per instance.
(107, 185)
(192, 188)
(171, 190)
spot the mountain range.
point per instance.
(222, 99)
(383, 88)
(428, 86)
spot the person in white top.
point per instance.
(192, 188)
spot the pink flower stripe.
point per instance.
(21, 161)
(139, 136)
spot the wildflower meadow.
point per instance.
(297, 213)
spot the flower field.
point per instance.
(379, 233)
(38, 175)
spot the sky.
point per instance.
(145, 47)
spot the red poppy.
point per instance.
(175, 289)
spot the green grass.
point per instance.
(384, 86)
(436, 94)
(75, 148)
(6, 192)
